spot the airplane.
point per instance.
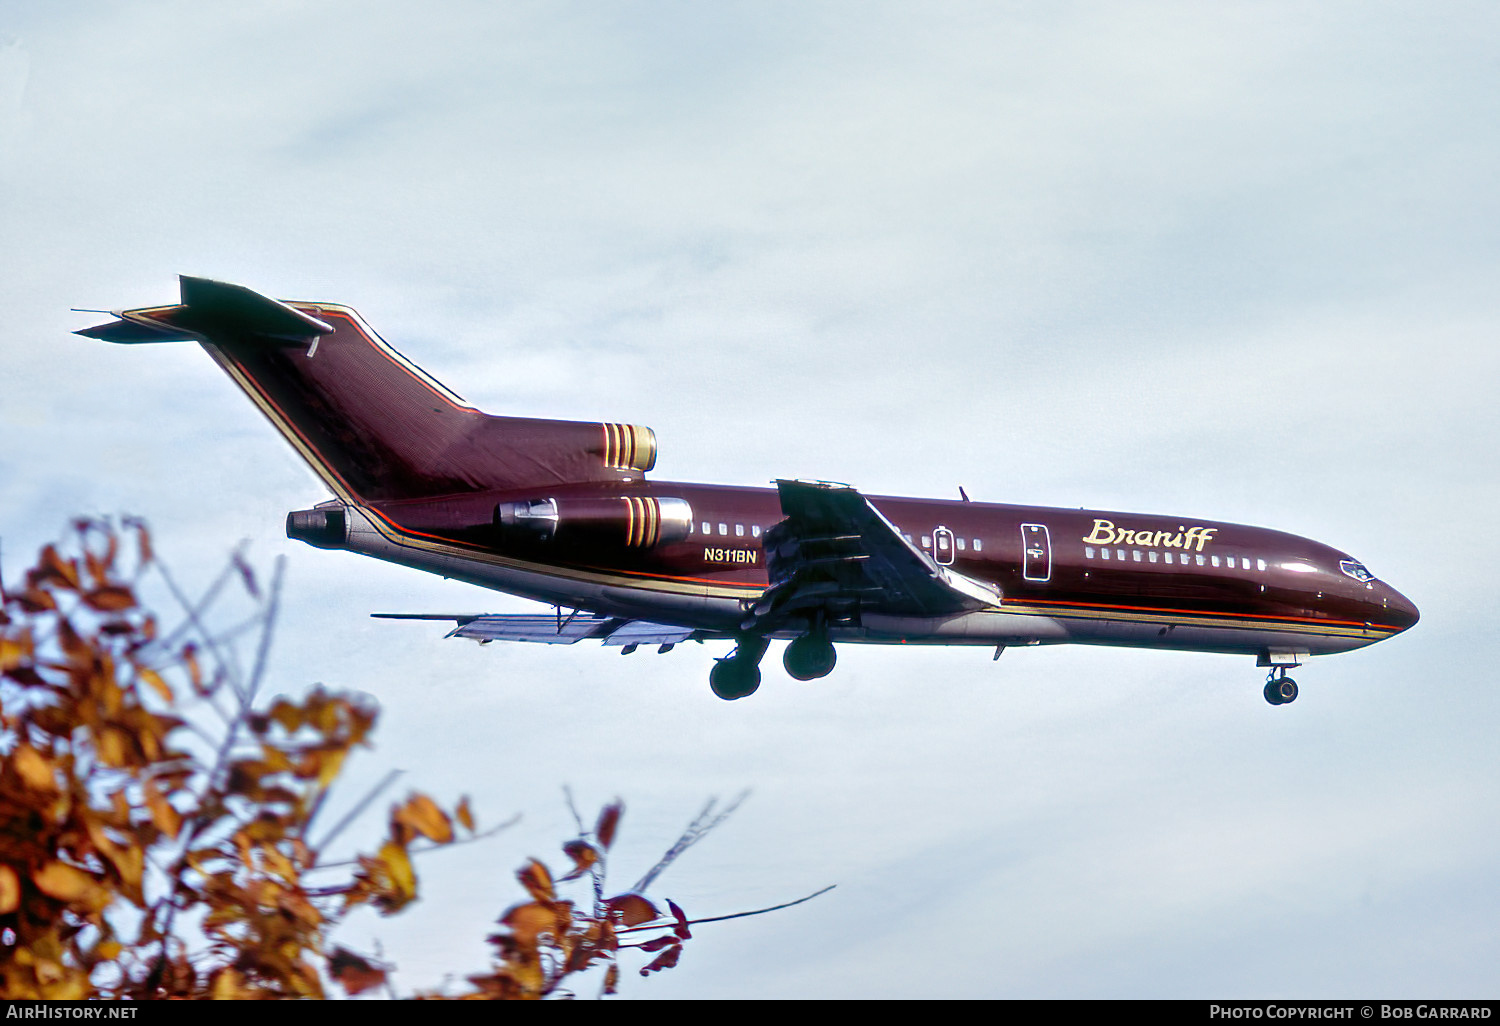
(563, 512)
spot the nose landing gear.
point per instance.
(1280, 689)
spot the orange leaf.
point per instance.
(110, 598)
(15, 650)
(535, 878)
(354, 973)
(65, 883)
(143, 541)
(35, 600)
(400, 878)
(632, 909)
(666, 960)
(530, 920)
(422, 816)
(167, 819)
(157, 684)
(195, 672)
(34, 769)
(10, 890)
(53, 568)
(583, 854)
(465, 814)
(609, 820)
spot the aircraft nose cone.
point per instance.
(1401, 612)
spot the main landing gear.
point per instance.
(1280, 689)
(810, 656)
(737, 675)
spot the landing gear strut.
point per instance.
(737, 675)
(1280, 689)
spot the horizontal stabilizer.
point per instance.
(133, 332)
(550, 629)
(212, 311)
(211, 306)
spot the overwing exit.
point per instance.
(563, 512)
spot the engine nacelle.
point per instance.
(324, 526)
(629, 520)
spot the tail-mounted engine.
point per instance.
(628, 447)
(632, 521)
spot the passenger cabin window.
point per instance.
(723, 528)
(707, 527)
(739, 530)
(978, 547)
(755, 531)
(1088, 552)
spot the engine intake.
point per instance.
(323, 527)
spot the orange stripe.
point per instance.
(1202, 613)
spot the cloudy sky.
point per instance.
(1232, 261)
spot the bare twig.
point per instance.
(664, 923)
(418, 850)
(699, 828)
(354, 813)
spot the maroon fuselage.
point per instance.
(563, 512)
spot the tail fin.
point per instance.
(371, 424)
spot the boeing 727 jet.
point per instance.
(564, 513)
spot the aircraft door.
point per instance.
(943, 547)
(1036, 553)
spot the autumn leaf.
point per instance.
(10, 890)
(70, 885)
(35, 770)
(537, 881)
(396, 879)
(16, 650)
(422, 816)
(53, 569)
(584, 856)
(167, 819)
(465, 814)
(353, 972)
(666, 960)
(155, 681)
(609, 821)
(632, 909)
(110, 598)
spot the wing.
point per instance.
(552, 629)
(837, 553)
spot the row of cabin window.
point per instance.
(927, 543)
(739, 532)
(1184, 558)
(739, 529)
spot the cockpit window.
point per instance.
(1356, 571)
